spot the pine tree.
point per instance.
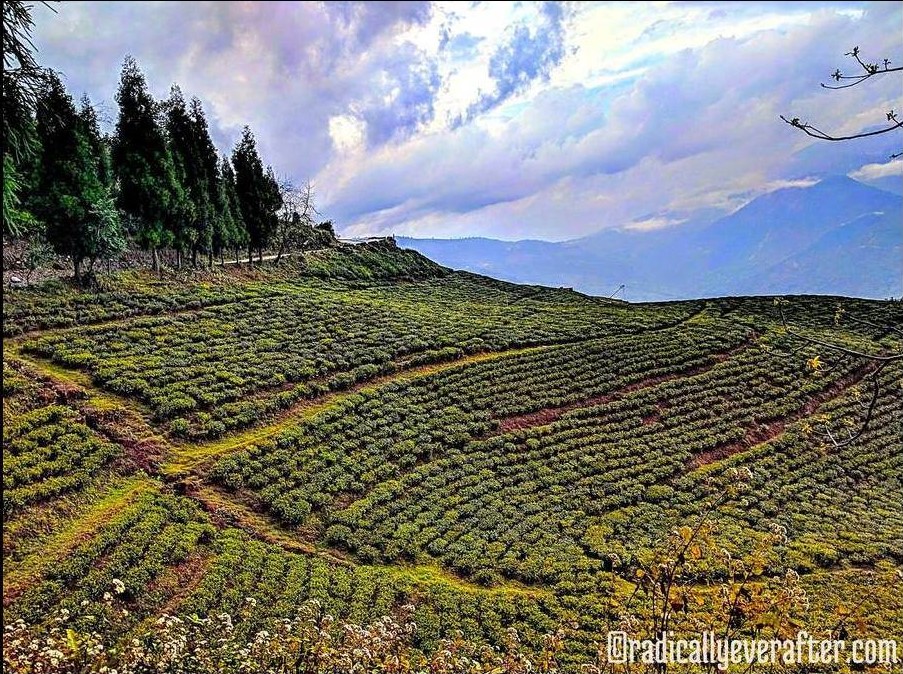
(98, 142)
(230, 230)
(258, 194)
(181, 150)
(149, 192)
(23, 79)
(75, 206)
(205, 186)
(272, 202)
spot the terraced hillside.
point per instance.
(371, 430)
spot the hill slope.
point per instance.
(498, 455)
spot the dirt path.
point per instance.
(227, 511)
(768, 431)
(181, 457)
(189, 456)
(173, 458)
(549, 415)
(267, 258)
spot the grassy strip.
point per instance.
(223, 506)
(188, 456)
(17, 577)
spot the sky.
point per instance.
(509, 120)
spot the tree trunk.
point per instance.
(156, 259)
(250, 256)
(77, 264)
(194, 257)
(210, 260)
(260, 255)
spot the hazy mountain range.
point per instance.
(837, 237)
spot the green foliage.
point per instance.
(310, 641)
(229, 232)
(71, 198)
(346, 338)
(98, 143)
(499, 455)
(161, 169)
(48, 452)
(48, 449)
(257, 191)
(195, 163)
(17, 223)
(149, 194)
(103, 238)
(23, 78)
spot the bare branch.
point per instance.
(870, 410)
(857, 79)
(881, 360)
(845, 82)
(810, 130)
(886, 328)
(870, 70)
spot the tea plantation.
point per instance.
(369, 430)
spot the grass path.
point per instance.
(57, 373)
(182, 457)
(227, 511)
(187, 456)
(18, 576)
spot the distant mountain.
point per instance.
(859, 257)
(837, 237)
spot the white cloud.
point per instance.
(654, 223)
(875, 171)
(348, 133)
(641, 108)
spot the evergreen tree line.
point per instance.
(157, 181)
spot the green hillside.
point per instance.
(362, 427)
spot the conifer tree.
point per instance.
(149, 192)
(204, 187)
(229, 232)
(181, 149)
(97, 142)
(71, 200)
(258, 194)
(23, 79)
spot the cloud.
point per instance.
(654, 223)
(699, 130)
(875, 171)
(530, 53)
(348, 133)
(540, 120)
(284, 68)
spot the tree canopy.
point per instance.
(157, 181)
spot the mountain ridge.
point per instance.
(747, 252)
